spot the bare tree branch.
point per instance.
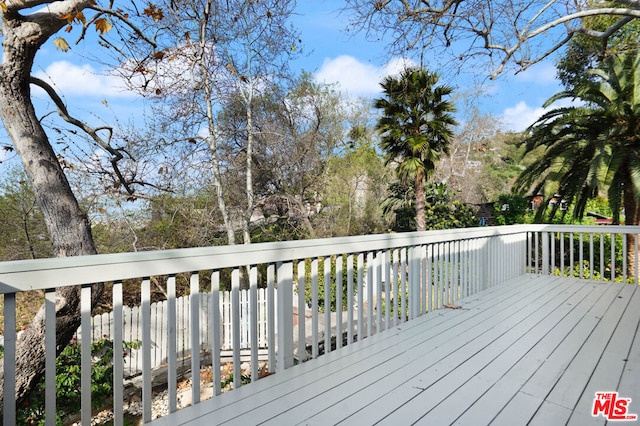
(116, 153)
(507, 27)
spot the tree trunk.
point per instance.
(215, 162)
(420, 201)
(68, 226)
(246, 231)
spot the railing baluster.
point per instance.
(403, 285)
(562, 254)
(465, 258)
(636, 252)
(449, 271)
(253, 317)
(235, 327)
(350, 304)
(172, 350)
(370, 272)
(50, 360)
(118, 355)
(537, 252)
(437, 283)
(625, 270)
(428, 277)
(414, 282)
(581, 255)
(339, 295)
(613, 257)
(9, 361)
(327, 304)
(85, 358)
(314, 308)
(378, 288)
(602, 257)
(146, 349)
(194, 303)
(424, 281)
(302, 314)
(552, 235)
(591, 257)
(455, 271)
(285, 315)
(571, 256)
(271, 312)
(388, 289)
(360, 290)
(214, 312)
(442, 275)
(545, 253)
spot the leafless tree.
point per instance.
(506, 31)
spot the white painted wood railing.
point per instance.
(400, 276)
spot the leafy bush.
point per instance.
(68, 376)
(332, 277)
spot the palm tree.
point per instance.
(415, 128)
(594, 146)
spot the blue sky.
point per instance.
(358, 65)
(332, 55)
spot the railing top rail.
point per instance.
(594, 229)
(38, 274)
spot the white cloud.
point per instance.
(358, 78)
(543, 73)
(520, 116)
(81, 80)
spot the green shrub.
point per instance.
(68, 376)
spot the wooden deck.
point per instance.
(532, 350)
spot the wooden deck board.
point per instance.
(443, 379)
(522, 336)
(536, 348)
(429, 356)
(573, 383)
(435, 332)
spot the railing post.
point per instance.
(285, 316)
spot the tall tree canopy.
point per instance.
(415, 127)
(594, 146)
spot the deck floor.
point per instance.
(530, 351)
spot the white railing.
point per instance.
(378, 281)
(601, 253)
